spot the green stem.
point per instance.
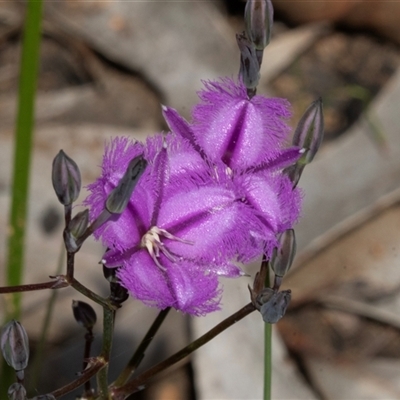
(21, 167)
(108, 330)
(23, 150)
(140, 351)
(134, 385)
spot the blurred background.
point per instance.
(105, 68)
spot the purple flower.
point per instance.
(243, 140)
(273, 200)
(213, 193)
(241, 132)
(180, 230)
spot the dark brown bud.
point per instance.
(84, 314)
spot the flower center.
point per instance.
(151, 240)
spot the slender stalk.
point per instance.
(67, 214)
(23, 150)
(70, 266)
(267, 361)
(267, 343)
(95, 365)
(58, 283)
(89, 337)
(138, 383)
(70, 256)
(91, 295)
(108, 330)
(138, 356)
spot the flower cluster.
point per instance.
(213, 194)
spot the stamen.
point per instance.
(152, 242)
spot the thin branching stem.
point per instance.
(105, 303)
(60, 281)
(139, 382)
(138, 356)
(54, 284)
(95, 364)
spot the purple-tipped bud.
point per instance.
(84, 314)
(15, 345)
(273, 305)
(310, 130)
(249, 63)
(44, 397)
(66, 178)
(119, 197)
(284, 255)
(16, 392)
(259, 18)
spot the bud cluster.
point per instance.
(258, 18)
(271, 302)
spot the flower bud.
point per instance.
(76, 228)
(259, 18)
(118, 294)
(119, 197)
(66, 178)
(44, 397)
(272, 305)
(249, 64)
(15, 345)
(295, 171)
(78, 225)
(310, 130)
(16, 392)
(110, 273)
(84, 314)
(284, 254)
